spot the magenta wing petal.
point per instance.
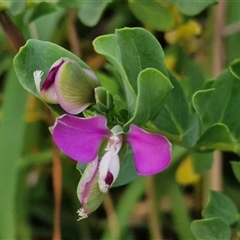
(152, 152)
(80, 138)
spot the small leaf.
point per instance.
(235, 68)
(194, 79)
(108, 47)
(221, 106)
(91, 11)
(212, 228)
(200, 101)
(153, 89)
(174, 120)
(219, 205)
(42, 9)
(236, 169)
(219, 137)
(139, 50)
(152, 14)
(193, 7)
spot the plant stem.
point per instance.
(57, 186)
(124, 207)
(154, 225)
(57, 182)
(218, 64)
(180, 212)
(12, 33)
(72, 36)
(111, 217)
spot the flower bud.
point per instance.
(104, 100)
(88, 191)
(67, 84)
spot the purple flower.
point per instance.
(80, 139)
(67, 84)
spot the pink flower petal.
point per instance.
(152, 152)
(50, 79)
(80, 138)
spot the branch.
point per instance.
(14, 36)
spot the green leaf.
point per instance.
(42, 9)
(152, 13)
(174, 120)
(193, 7)
(235, 68)
(219, 137)
(139, 49)
(221, 106)
(212, 228)
(131, 50)
(127, 171)
(104, 100)
(200, 102)
(17, 7)
(91, 11)
(39, 55)
(219, 205)
(108, 47)
(194, 77)
(153, 89)
(236, 169)
(46, 25)
(202, 162)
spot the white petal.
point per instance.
(108, 170)
(37, 79)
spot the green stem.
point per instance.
(154, 224)
(123, 210)
(180, 212)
